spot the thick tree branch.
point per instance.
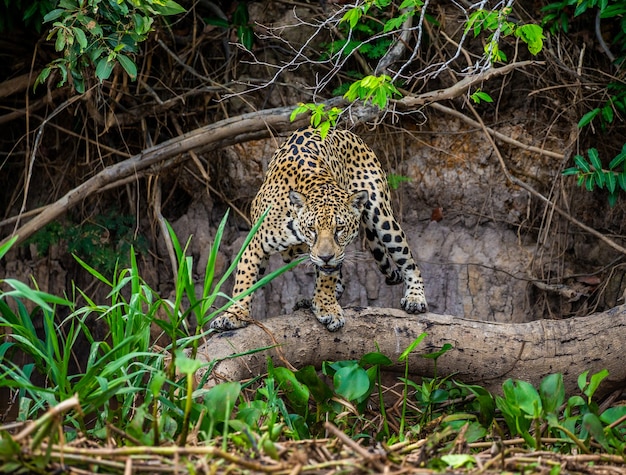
(484, 353)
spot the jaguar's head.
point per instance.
(328, 222)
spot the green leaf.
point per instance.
(459, 460)
(169, 7)
(54, 14)
(595, 381)
(613, 414)
(582, 164)
(611, 181)
(220, 400)
(552, 392)
(528, 398)
(351, 382)
(588, 117)
(104, 68)
(592, 424)
(436, 354)
(61, 40)
(532, 35)
(375, 358)
(80, 37)
(128, 65)
(297, 393)
(618, 158)
(320, 391)
(409, 349)
(607, 113)
(594, 158)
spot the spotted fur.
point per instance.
(319, 192)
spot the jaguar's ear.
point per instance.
(297, 199)
(358, 200)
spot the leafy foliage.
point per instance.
(590, 173)
(320, 117)
(100, 33)
(498, 25)
(105, 241)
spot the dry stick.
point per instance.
(495, 133)
(479, 122)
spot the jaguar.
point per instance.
(318, 193)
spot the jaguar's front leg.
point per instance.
(252, 263)
(324, 305)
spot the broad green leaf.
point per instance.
(618, 158)
(611, 181)
(104, 68)
(581, 163)
(54, 14)
(320, 391)
(552, 392)
(169, 7)
(595, 381)
(532, 35)
(375, 358)
(351, 382)
(80, 37)
(128, 65)
(297, 393)
(592, 424)
(220, 400)
(436, 354)
(613, 414)
(594, 158)
(607, 113)
(570, 171)
(528, 398)
(459, 460)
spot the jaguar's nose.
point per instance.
(326, 258)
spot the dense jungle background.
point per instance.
(500, 125)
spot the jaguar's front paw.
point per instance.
(414, 302)
(228, 321)
(331, 316)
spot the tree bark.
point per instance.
(483, 353)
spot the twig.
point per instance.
(363, 453)
(495, 133)
(462, 86)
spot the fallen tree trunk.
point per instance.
(484, 353)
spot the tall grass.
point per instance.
(121, 380)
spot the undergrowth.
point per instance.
(125, 400)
